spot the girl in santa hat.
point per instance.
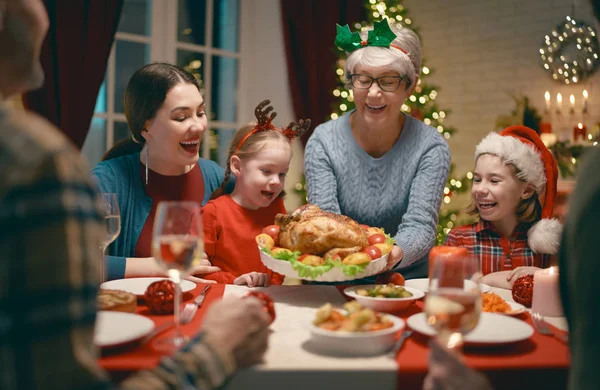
(514, 188)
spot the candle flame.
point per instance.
(572, 99)
(559, 98)
(547, 95)
(585, 94)
(580, 125)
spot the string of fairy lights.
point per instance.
(577, 38)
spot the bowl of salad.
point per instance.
(388, 298)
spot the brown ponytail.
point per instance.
(221, 190)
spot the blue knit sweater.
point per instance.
(400, 191)
(122, 176)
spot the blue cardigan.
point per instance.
(122, 176)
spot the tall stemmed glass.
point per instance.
(112, 224)
(177, 242)
(453, 302)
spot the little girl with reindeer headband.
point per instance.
(514, 188)
(259, 158)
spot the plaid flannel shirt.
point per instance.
(50, 227)
(496, 252)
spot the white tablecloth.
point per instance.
(292, 362)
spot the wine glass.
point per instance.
(112, 224)
(453, 302)
(177, 243)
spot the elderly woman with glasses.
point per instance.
(376, 164)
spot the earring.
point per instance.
(146, 164)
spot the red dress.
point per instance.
(189, 186)
(229, 232)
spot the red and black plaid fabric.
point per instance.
(496, 252)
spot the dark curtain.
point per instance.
(309, 32)
(74, 57)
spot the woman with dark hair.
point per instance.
(165, 114)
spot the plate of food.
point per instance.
(315, 245)
(492, 329)
(114, 328)
(423, 285)
(138, 286)
(354, 330)
(387, 298)
(493, 303)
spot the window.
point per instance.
(201, 36)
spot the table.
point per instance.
(293, 362)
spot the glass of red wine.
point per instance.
(177, 243)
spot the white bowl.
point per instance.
(284, 267)
(387, 305)
(356, 343)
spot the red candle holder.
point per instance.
(579, 131)
(545, 128)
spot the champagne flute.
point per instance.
(177, 243)
(112, 224)
(453, 302)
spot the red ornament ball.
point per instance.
(268, 305)
(160, 297)
(522, 290)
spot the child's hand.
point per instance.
(253, 279)
(202, 267)
(518, 272)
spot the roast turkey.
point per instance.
(314, 231)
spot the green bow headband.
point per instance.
(381, 35)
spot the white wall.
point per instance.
(480, 51)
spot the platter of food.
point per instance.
(315, 245)
(386, 298)
(354, 330)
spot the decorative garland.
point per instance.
(583, 39)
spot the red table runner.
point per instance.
(540, 362)
(134, 356)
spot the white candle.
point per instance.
(558, 102)
(572, 100)
(546, 297)
(585, 98)
(547, 98)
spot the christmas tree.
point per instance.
(421, 104)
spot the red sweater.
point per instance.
(229, 232)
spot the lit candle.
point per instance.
(452, 258)
(580, 131)
(558, 102)
(547, 97)
(546, 297)
(585, 99)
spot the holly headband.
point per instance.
(381, 35)
(265, 117)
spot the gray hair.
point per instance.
(391, 58)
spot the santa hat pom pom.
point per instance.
(544, 236)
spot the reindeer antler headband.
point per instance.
(264, 115)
